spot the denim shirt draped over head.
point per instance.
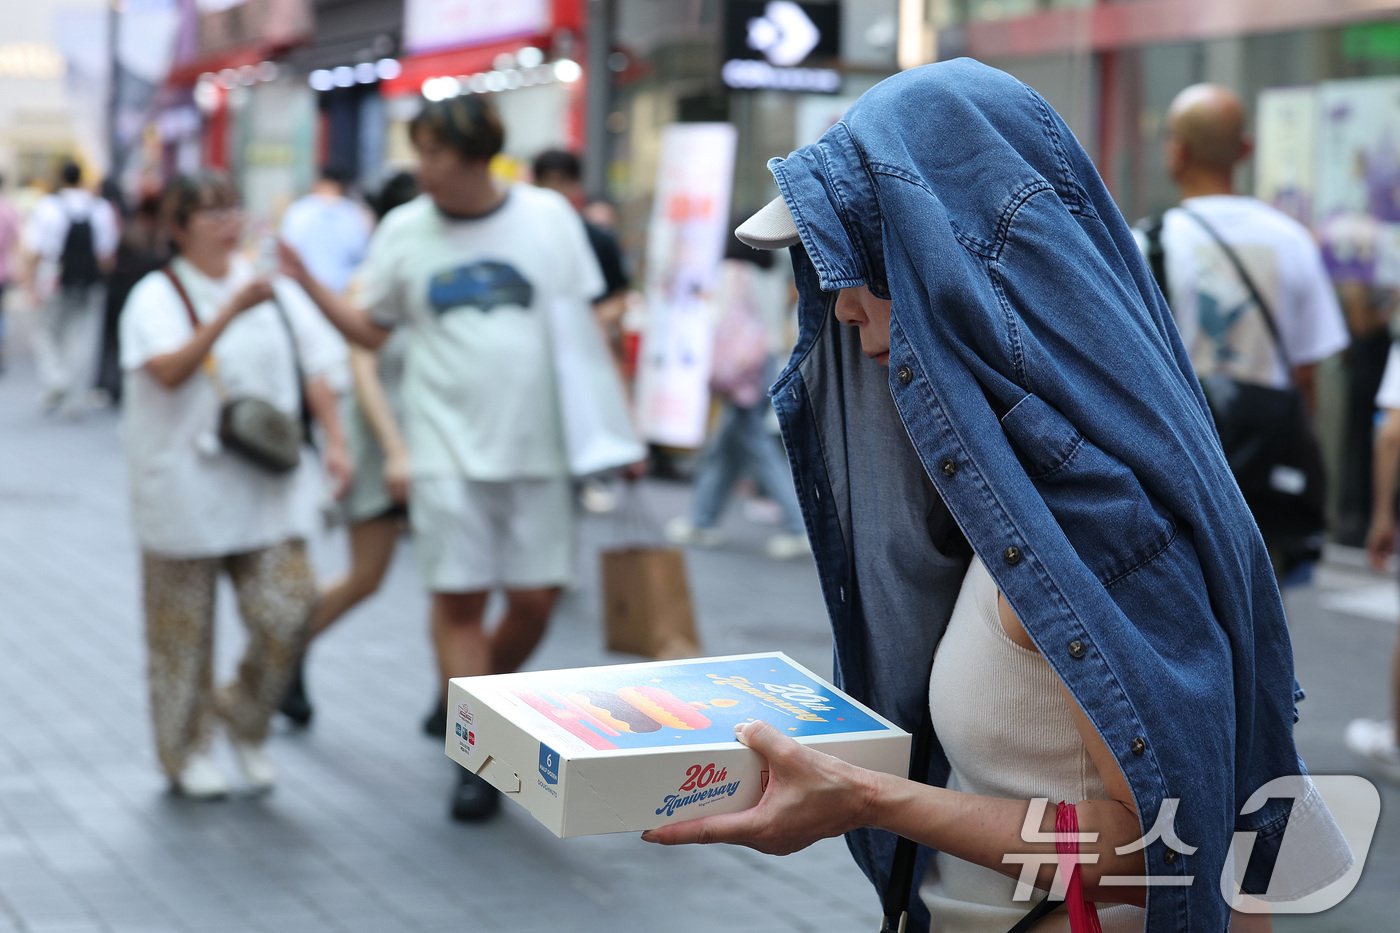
(1039, 406)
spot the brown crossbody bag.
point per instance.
(250, 427)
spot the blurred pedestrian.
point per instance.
(376, 504)
(1219, 249)
(1375, 740)
(9, 249)
(1030, 545)
(560, 170)
(329, 229)
(71, 239)
(204, 331)
(750, 306)
(141, 249)
(473, 270)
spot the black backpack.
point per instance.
(78, 263)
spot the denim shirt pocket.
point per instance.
(1108, 517)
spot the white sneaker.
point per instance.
(597, 497)
(786, 547)
(257, 768)
(201, 779)
(681, 531)
(1375, 741)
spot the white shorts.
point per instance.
(472, 536)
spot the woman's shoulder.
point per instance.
(153, 288)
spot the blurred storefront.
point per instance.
(528, 55)
(257, 119)
(779, 82)
(1318, 79)
(354, 50)
(1113, 67)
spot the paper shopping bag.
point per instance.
(646, 603)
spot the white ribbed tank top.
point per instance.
(1008, 732)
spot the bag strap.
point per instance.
(207, 364)
(212, 372)
(895, 901)
(1156, 252)
(634, 525)
(304, 408)
(1046, 906)
(1248, 283)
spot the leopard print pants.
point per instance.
(275, 591)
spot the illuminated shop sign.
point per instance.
(783, 46)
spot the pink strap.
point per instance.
(1083, 915)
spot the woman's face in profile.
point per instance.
(858, 307)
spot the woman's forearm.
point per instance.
(353, 323)
(986, 830)
(374, 403)
(174, 369)
(320, 399)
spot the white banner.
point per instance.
(689, 225)
(1358, 179)
(434, 25)
(1285, 157)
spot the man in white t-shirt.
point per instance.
(329, 230)
(1223, 327)
(472, 269)
(71, 242)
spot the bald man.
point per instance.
(1220, 321)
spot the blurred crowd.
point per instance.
(405, 354)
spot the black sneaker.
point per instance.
(474, 800)
(435, 725)
(295, 705)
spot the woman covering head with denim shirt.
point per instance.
(1024, 528)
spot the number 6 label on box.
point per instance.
(549, 764)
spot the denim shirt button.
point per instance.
(905, 374)
(949, 467)
(1139, 745)
(1012, 555)
(1169, 856)
(1076, 650)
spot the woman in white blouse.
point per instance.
(205, 329)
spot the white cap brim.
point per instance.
(770, 228)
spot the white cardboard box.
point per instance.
(629, 747)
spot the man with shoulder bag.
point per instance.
(1257, 313)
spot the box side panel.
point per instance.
(516, 763)
(635, 793)
(875, 751)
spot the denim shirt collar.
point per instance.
(831, 196)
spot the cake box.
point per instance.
(629, 747)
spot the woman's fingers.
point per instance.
(741, 828)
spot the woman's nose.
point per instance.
(849, 312)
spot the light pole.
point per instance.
(597, 141)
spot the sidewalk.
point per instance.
(356, 837)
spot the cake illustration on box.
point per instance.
(687, 703)
(598, 717)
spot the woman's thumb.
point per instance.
(759, 736)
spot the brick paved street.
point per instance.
(356, 837)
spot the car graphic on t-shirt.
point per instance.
(482, 285)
